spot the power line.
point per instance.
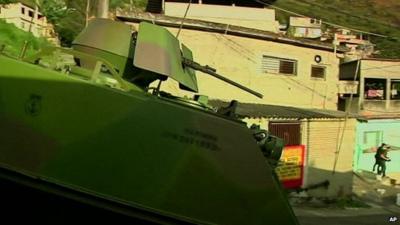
(183, 19)
(240, 52)
(380, 111)
(327, 23)
(381, 67)
(347, 13)
(345, 120)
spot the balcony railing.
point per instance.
(373, 107)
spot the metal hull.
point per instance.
(133, 150)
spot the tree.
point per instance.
(55, 10)
(7, 1)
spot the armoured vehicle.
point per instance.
(83, 135)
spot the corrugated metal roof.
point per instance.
(276, 111)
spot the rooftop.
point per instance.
(280, 112)
(214, 27)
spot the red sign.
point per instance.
(290, 169)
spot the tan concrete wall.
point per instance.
(380, 69)
(263, 19)
(322, 140)
(304, 22)
(239, 59)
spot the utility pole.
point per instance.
(87, 12)
(102, 8)
(131, 5)
(34, 19)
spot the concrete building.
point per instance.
(377, 100)
(358, 44)
(370, 134)
(292, 73)
(287, 71)
(378, 92)
(27, 17)
(328, 143)
(236, 12)
(305, 27)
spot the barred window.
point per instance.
(288, 131)
(318, 72)
(279, 65)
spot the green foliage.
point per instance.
(14, 39)
(138, 4)
(72, 22)
(346, 202)
(7, 1)
(55, 10)
(69, 16)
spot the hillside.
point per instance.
(13, 39)
(376, 16)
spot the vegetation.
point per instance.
(69, 16)
(376, 16)
(346, 202)
(14, 39)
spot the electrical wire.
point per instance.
(378, 111)
(183, 19)
(328, 7)
(345, 121)
(327, 23)
(381, 67)
(249, 55)
(240, 52)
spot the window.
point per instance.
(375, 89)
(395, 89)
(289, 132)
(318, 72)
(372, 138)
(23, 10)
(218, 2)
(279, 65)
(30, 13)
(22, 25)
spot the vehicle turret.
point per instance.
(143, 56)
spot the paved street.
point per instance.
(369, 216)
(382, 207)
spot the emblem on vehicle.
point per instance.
(33, 105)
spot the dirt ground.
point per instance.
(374, 204)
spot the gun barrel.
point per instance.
(211, 71)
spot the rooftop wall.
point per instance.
(258, 18)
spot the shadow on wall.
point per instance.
(322, 183)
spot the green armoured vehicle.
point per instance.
(83, 135)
